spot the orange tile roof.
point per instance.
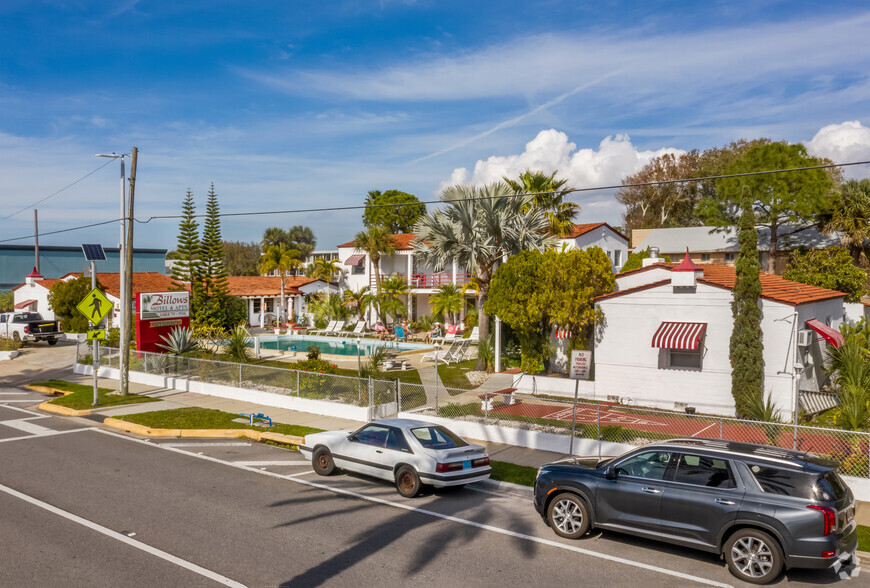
(773, 287)
(111, 282)
(582, 229)
(402, 241)
(45, 282)
(266, 285)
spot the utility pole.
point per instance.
(36, 233)
(127, 302)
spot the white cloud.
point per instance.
(551, 151)
(842, 143)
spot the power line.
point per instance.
(517, 195)
(55, 193)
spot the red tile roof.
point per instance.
(266, 285)
(773, 287)
(402, 241)
(582, 229)
(111, 282)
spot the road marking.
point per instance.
(123, 538)
(51, 433)
(548, 542)
(27, 427)
(22, 401)
(35, 416)
(270, 463)
(704, 429)
(13, 393)
(203, 444)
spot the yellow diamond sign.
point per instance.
(95, 306)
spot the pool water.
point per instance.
(333, 345)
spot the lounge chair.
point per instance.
(449, 335)
(329, 328)
(460, 353)
(444, 354)
(475, 335)
(357, 330)
(336, 330)
(399, 333)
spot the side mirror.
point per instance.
(610, 473)
(351, 437)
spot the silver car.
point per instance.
(408, 452)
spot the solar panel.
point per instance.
(93, 252)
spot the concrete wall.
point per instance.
(549, 386)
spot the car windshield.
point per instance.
(437, 438)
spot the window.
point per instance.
(437, 438)
(782, 481)
(684, 358)
(396, 440)
(729, 256)
(372, 435)
(617, 257)
(651, 465)
(2, 318)
(704, 471)
(705, 258)
(358, 269)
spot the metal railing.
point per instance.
(427, 280)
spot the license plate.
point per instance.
(466, 464)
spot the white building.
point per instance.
(602, 235)
(665, 336)
(263, 295)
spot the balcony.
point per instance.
(427, 281)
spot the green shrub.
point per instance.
(313, 351)
(316, 365)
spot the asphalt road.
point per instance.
(83, 506)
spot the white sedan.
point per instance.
(408, 452)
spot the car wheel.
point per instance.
(407, 482)
(52, 341)
(322, 462)
(753, 556)
(568, 516)
(16, 337)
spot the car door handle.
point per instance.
(652, 490)
(378, 451)
(725, 502)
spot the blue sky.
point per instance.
(287, 105)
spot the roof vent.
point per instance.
(653, 257)
(33, 276)
(687, 273)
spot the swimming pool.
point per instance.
(333, 345)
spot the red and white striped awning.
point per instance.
(563, 334)
(25, 304)
(672, 335)
(355, 259)
(830, 335)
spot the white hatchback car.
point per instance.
(408, 452)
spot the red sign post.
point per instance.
(157, 313)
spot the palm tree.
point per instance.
(548, 195)
(391, 289)
(849, 214)
(359, 299)
(323, 269)
(477, 228)
(282, 259)
(376, 241)
(447, 300)
(274, 236)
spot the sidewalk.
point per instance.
(172, 399)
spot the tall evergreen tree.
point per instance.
(747, 348)
(212, 269)
(186, 257)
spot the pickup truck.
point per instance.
(29, 326)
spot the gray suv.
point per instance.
(762, 508)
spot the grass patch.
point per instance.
(513, 473)
(863, 538)
(410, 376)
(82, 396)
(453, 376)
(207, 418)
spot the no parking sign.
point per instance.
(581, 364)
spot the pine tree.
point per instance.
(747, 348)
(212, 269)
(186, 267)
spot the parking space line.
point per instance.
(123, 538)
(51, 433)
(215, 444)
(296, 478)
(271, 463)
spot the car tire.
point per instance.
(408, 482)
(16, 337)
(322, 462)
(568, 516)
(753, 556)
(52, 341)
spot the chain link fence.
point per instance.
(285, 381)
(634, 426)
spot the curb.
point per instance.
(506, 488)
(54, 408)
(203, 433)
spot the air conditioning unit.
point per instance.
(805, 337)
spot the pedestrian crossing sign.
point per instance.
(95, 306)
(98, 335)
